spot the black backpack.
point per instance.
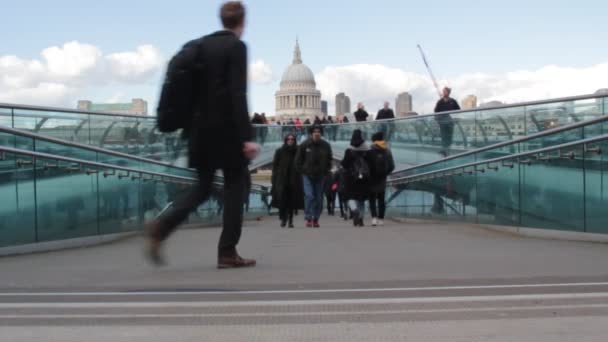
(380, 163)
(361, 172)
(180, 89)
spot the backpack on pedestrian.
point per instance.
(180, 89)
(361, 170)
(380, 163)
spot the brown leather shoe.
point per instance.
(234, 262)
(153, 243)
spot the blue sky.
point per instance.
(340, 40)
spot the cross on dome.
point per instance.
(297, 54)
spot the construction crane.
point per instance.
(428, 67)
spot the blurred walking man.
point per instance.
(221, 138)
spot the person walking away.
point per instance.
(386, 113)
(445, 121)
(357, 175)
(287, 192)
(221, 138)
(382, 165)
(313, 161)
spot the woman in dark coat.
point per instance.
(357, 176)
(287, 188)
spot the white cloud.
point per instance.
(260, 72)
(72, 60)
(52, 94)
(135, 66)
(63, 73)
(373, 84)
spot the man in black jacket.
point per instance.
(361, 115)
(221, 138)
(386, 114)
(445, 122)
(313, 161)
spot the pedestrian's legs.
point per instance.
(185, 203)
(318, 209)
(381, 204)
(341, 204)
(361, 208)
(290, 216)
(354, 208)
(446, 130)
(450, 134)
(330, 197)
(282, 213)
(372, 204)
(309, 198)
(235, 183)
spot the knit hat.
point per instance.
(357, 139)
(378, 136)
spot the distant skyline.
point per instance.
(116, 50)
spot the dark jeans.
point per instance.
(235, 181)
(313, 198)
(379, 210)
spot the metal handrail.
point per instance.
(473, 165)
(89, 163)
(478, 109)
(70, 110)
(510, 142)
(83, 146)
(130, 171)
(512, 105)
(93, 148)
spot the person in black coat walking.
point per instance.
(445, 121)
(287, 189)
(357, 176)
(221, 138)
(382, 164)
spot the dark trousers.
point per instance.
(377, 204)
(446, 129)
(235, 180)
(330, 196)
(342, 204)
(286, 213)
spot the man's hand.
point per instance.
(251, 150)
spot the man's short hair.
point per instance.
(448, 89)
(232, 14)
(314, 128)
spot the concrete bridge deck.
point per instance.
(422, 281)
